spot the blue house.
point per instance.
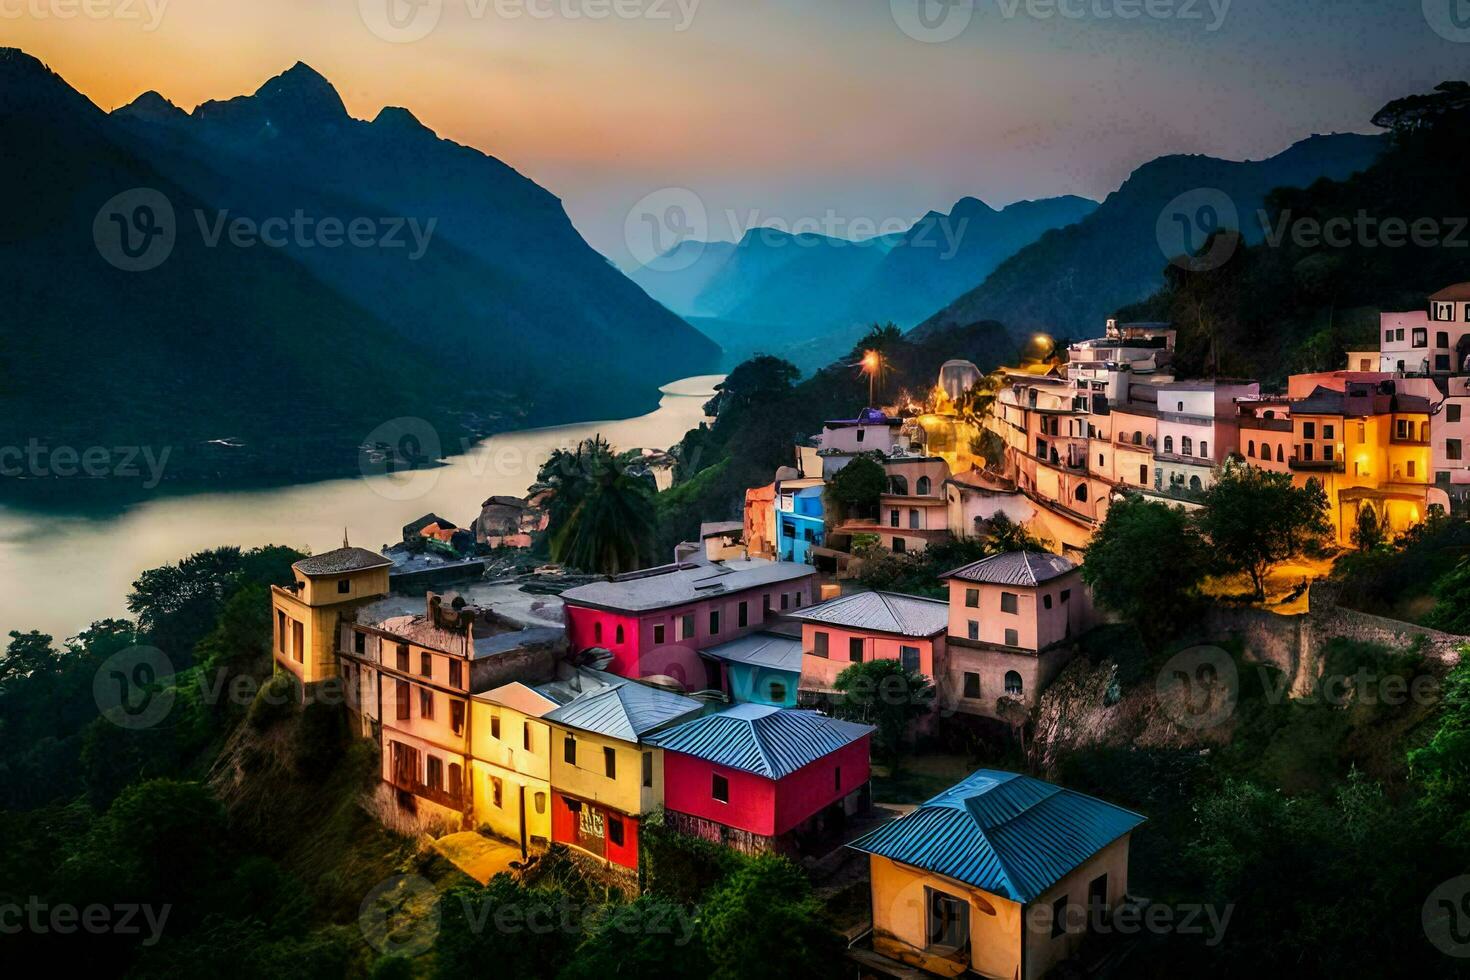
(800, 522)
(761, 668)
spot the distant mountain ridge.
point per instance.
(1072, 278)
(494, 310)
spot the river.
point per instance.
(61, 572)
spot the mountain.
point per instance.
(677, 277)
(946, 255)
(774, 277)
(319, 275)
(1072, 278)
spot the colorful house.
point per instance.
(868, 626)
(760, 521)
(1011, 618)
(871, 431)
(760, 668)
(759, 778)
(605, 776)
(999, 876)
(510, 748)
(800, 521)
(655, 622)
(308, 614)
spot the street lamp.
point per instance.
(872, 363)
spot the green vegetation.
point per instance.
(1254, 519)
(1146, 564)
(918, 573)
(887, 695)
(854, 490)
(602, 515)
(1403, 578)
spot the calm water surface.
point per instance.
(58, 573)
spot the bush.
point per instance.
(275, 701)
(682, 868)
(319, 738)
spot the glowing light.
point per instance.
(872, 360)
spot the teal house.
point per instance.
(760, 668)
(800, 522)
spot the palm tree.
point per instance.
(602, 516)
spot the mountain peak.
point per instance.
(303, 90)
(969, 206)
(397, 119)
(151, 107)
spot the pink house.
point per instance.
(655, 622)
(1012, 618)
(761, 778)
(870, 626)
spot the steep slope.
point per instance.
(1074, 277)
(677, 277)
(778, 278)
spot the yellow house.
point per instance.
(510, 750)
(307, 615)
(1368, 446)
(1000, 876)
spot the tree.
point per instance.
(1006, 536)
(650, 936)
(1146, 563)
(1452, 612)
(764, 920)
(602, 515)
(886, 694)
(1369, 533)
(857, 486)
(506, 924)
(1255, 519)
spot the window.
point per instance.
(947, 921)
(658, 634)
(926, 487)
(1059, 917)
(1181, 406)
(973, 630)
(426, 665)
(1186, 446)
(1307, 452)
(540, 802)
(403, 657)
(1097, 895)
(1328, 452)
(909, 657)
(1204, 450)
(615, 831)
(1452, 449)
(1309, 430)
(569, 750)
(765, 607)
(1442, 338)
(1250, 449)
(1168, 444)
(495, 726)
(893, 518)
(1013, 683)
(456, 716)
(972, 598)
(1046, 601)
(1421, 337)
(435, 778)
(618, 636)
(714, 622)
(837, 780)
(298, 641)
(785, 601)
(1009, 602)
(913, 520)
(456, 779)
(456, 673)
(610, 762)
(860, 434)
(497, 792)
(1013, 638)
(401, 696)
(1195, 484)
(1143, 474)
(280, 631)
(900, 546)
(359, 642)
(742, 615)
(719, 788)
(855, 650)
(1066, 596)
(1362, 431)
(597, 632)
(426, 703)
(819, 644)
(526, 735)
(1412, 468)
(778, 692)
(686, 626)
(1082, 493)
(1281, 453)
(647, 769)
(1328, 431)
(344, 586)
(972, 685)
(1452, 413)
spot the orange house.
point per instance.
(868, 626)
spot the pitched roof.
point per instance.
(1024, 568)
(625, 711)
(1453, 294)
(518, 697)
(756, 738)
(883, 612)
(678, 585)
(761, 650)
(1008, 834)
(339, 561)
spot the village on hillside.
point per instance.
(566, 712)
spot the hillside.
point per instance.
(255, 323)
(1073, 278)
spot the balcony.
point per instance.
(1317, 465)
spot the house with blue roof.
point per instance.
(759, 778)
(998, 876)
(760, 668)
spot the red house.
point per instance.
(655, 622)
(760, 778)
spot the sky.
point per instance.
(841, 116)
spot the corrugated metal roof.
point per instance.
(1009, 834)
(684, 584)
(761, 650)
(341, 560)
(1026, 568)
(625, 711)
(883, 612)
(768, 741)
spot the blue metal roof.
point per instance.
(1008, 834)
(762, 649)
(768, 741)
(625, 711)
